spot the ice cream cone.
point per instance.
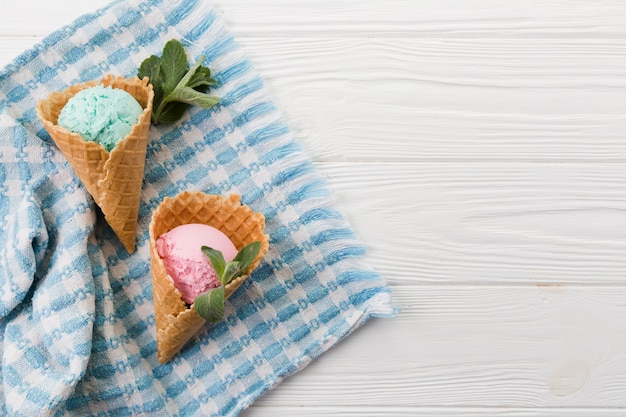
(113, 179)
(177, 322)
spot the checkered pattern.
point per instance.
(76, 313)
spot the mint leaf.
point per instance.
(173, 65)
(216, 258)
(170, 112)
(176, 86)
(210, 305)
(231, 271)
(191, 96)
(188, 74)
(247, 255)
(201, 78)
(151, 68)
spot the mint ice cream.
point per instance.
(104, 115)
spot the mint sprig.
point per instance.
(175, 85)
(210, 304)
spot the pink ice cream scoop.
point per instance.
(185, 263)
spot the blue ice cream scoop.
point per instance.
(104, 115)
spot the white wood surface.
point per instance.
(478, 147)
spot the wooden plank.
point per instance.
(465, 346)
(487, 223)
(394, 411)
(445, 18)
(457, 100)
(444, 100)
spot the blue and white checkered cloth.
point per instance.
(77, 331)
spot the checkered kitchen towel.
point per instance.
(76, 311)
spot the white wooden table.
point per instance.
(478, 147)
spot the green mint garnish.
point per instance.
(176, 86)
(210, 305)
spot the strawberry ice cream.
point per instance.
(187, 266)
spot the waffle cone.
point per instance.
(113, 179)
(176, 322)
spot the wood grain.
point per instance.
(488, 223)
(519, 347)
(451, 100)
(446, 18)
(332, 18)
(396, 411)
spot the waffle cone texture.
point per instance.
(114, 179)
(177, 322)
